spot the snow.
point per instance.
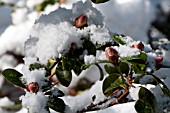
(34, 76)
(32, 102)
(53, 34)
(84, 99)
(19, 16)
(7, 61)
(127, 51)
(6, 102)
(119, 108)
(89, 59)
(151, 59)
(132, 18)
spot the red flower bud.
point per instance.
(111, 54)
(159, 59)
(32, 87)
(139, 46)
(81, 21)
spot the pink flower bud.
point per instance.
(32, 87)
(159, 59)
(111, 54)
(81, 21)
(139, 46)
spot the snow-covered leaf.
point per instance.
(117, 38)
(13, 77)
(141, 58)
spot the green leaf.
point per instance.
(124, 67)
(138, 68)
(101, 72)
(147, 102)
(142, 107)
(161, 84)
(56, 104)
(16, 106)
(99, 1)
(90, 47)
(36, 66)
(13, 77)
(141, 58)
(117, 38)
(64, 77)
(44, 4)
(108, 84)
(138, 62)
(68, 63)
(110, 69)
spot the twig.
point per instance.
(51, 75)
(94, 107)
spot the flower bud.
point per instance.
(81, 21)
(139, 46)
(32, 87)
(159, 59)
(112, 54)
(62, 1)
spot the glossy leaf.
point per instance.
(138, 68)
(56, 104)
(110, 69)
(90, 47)
(163, 87)
(13, 77)
(64, 77)
(68, 63)
(118, 39)
(99, 1)
(147, 102)
(109, 84)
(124, 67)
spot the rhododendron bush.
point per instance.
(66, 44)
